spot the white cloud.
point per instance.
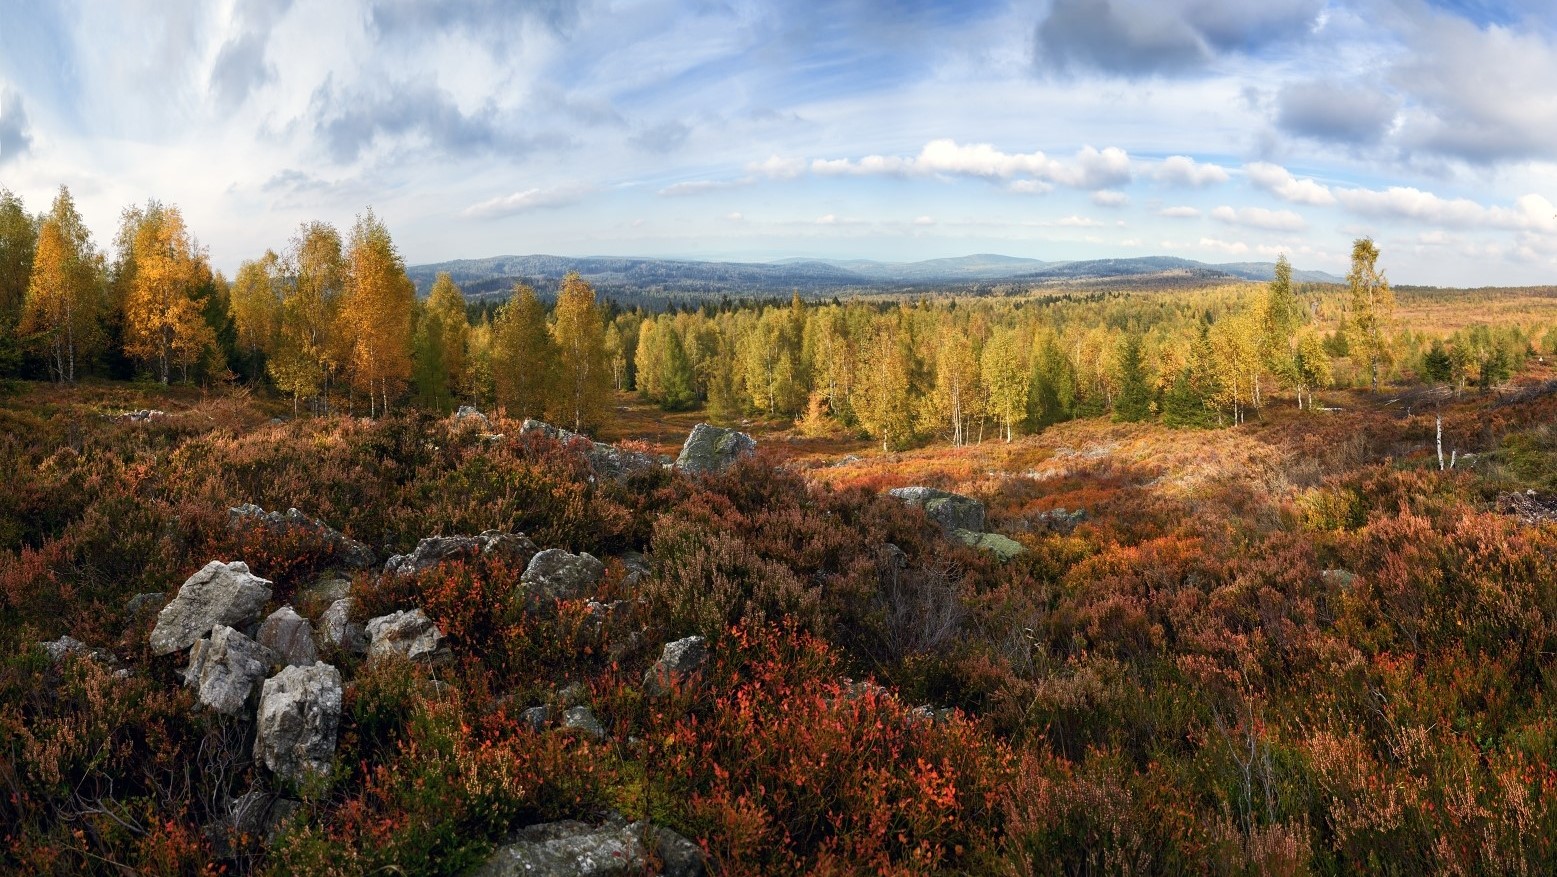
(698, 187)
(1236, 248)
(923, 220)
(529, 199)
(1179, 212)
(778, 167)
(829, 219)
(1478, 93)
(1529, 213)
(1259, 217)
(1181, 170)
(1278, 181)
(1090, 168)
(1029, 187)
(1110, 198)
(1074, 221)
(735, 216)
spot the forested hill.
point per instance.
(653, 280)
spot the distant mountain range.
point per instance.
(663, 280)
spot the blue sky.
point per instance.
(1221, 130)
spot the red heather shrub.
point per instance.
(785, 766)
(443, 790)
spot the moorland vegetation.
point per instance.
(1318, 639)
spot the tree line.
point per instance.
(333, 322)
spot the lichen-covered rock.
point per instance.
(410, 634)
(607, 461)
(1002, 547)
(290, 637)
(142, 604)
(225, 668)
(349, 552)
(469, 415)
(678, 661)
(338, 630)
(555, 574)
(952, 511)
(574, 849)
(711, 449)
(325, 591)
(299, 712)
(65, 645)
(569, 849)
(513, 548)
(1060, 520)
(220, 593)
(679, 857)
(582, 719)
(536, 717)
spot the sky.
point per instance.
(1219, 130)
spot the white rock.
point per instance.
(220, 593)
(299, 713)
(225, 668)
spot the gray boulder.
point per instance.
(582, 719)
(290, 637)
(1060, 520)
(325, 591)
(350, 552)
(59, 649)
(225, 668)
(410, 634)
(299, 712)
(606, 461)
(679, 856)
(220, 593)
(142, 604)
(536, 717)
(65, 645)
(514, 548)
(469, 415)
(338, 630)
(678, 661)
(574, 849)
(555, 574)
(951, 511)
(711, 449)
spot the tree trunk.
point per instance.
(1440, 441)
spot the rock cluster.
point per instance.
(298, 709)
(469, 415)
(959, 517)
(709, 449)
(515, 548)
(951, 511)
(351, 553)
(606, 461)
